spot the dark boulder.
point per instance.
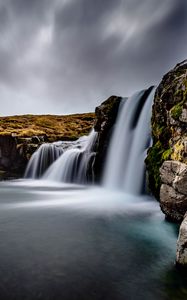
(12, 163)
(106, 115)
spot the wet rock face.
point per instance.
(8, 151)
(173, 192)
(15, 154)
(181, 256)
(169, 124)
(11, 162)
(106, 115)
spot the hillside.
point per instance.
(53, 127)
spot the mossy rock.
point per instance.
(168, 131)
(176, 111)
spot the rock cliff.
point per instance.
(169, 124)
(167, 158)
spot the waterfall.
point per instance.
(73, 165)
(42, 159)
(125, 166)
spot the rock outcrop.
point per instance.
(173, 192)
(169, 124)
(15, 153)
(106, 115)
(181, 257)
(11, 162)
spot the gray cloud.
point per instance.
(69, 55)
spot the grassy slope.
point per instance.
(54, 127)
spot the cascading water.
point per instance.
(125, 167)
(73, 165)
(42, 159)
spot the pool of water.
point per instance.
(60, 241)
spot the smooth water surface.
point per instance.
(70, 242)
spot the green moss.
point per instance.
(167, 154)
(176, 111)
(185, 95)
(154, 161)
(157, 129)
(178, 149)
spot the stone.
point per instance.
(181, 255)
(106, 113)
(173, 192)
(174, 173)
(169, 170)
(183, 117)
(172, 203)
(180, 182)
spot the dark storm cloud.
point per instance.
(69, 55)
(84, 13)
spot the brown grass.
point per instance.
(52, 126)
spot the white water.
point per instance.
(41, 159)
(72, 166)
(125, 166)
(124, 169)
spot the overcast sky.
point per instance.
(65, 56)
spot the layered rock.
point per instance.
(169, 124)
(181, 257)
(173, 192)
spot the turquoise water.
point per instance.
(71, 242)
